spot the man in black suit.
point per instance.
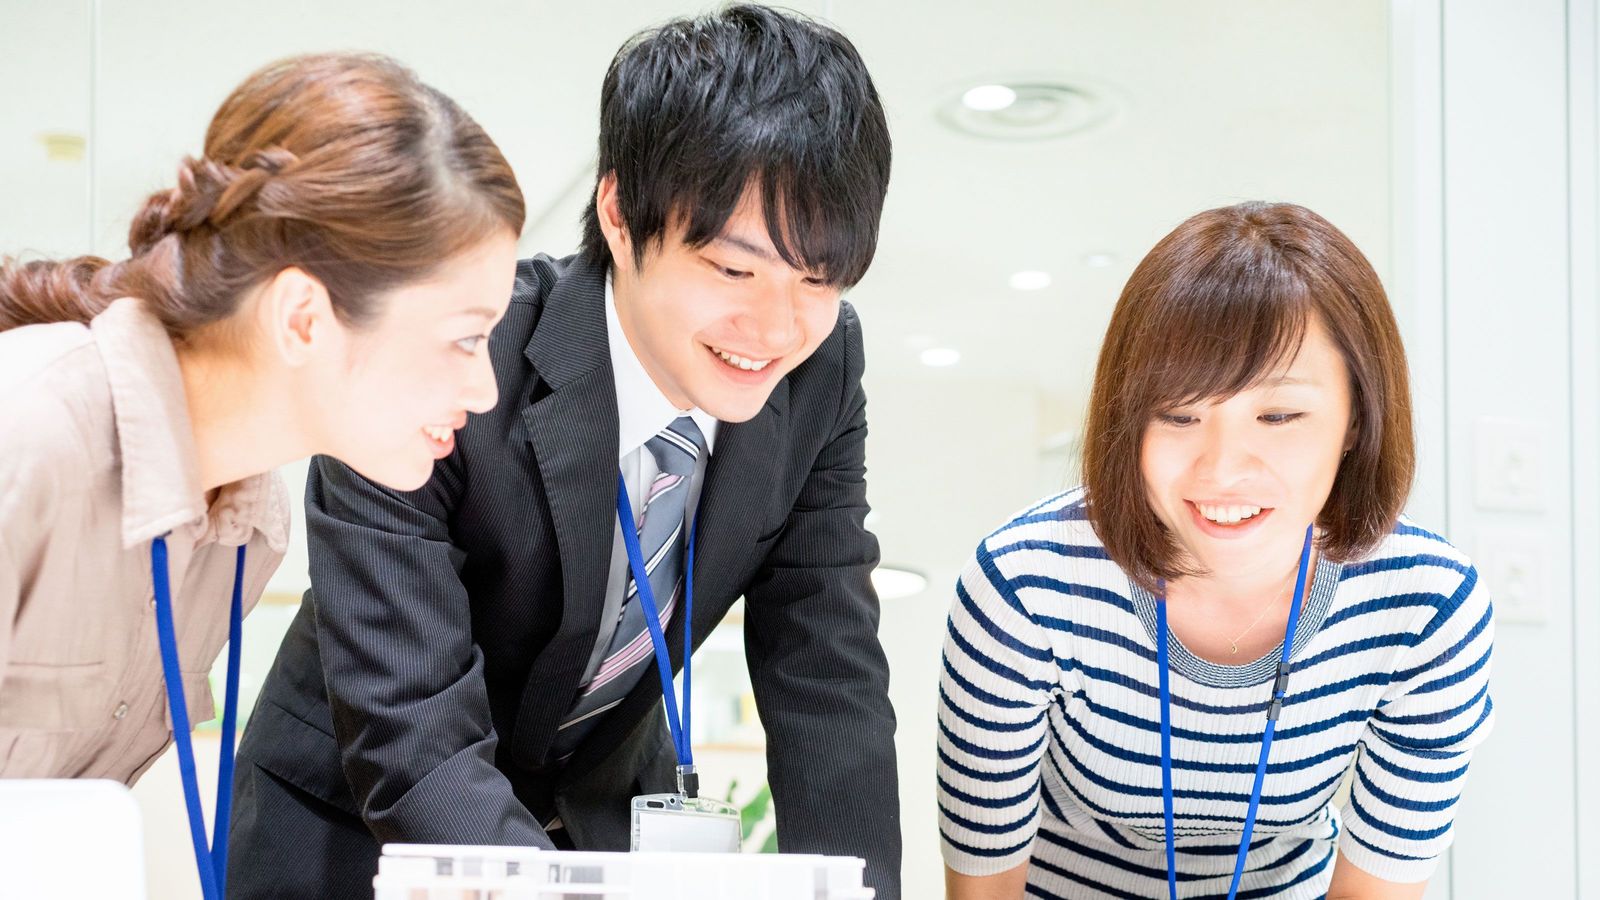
(470, 665)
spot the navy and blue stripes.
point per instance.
(1049, 729)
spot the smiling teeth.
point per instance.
(440, 433)
(1228, 515)
(749, 365)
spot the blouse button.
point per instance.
(121, 711)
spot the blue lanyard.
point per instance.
(1280, 688)
(212, 863)
(687, 782)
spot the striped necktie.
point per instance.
(663, 534)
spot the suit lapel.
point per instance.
(734, 504)
(573, 431)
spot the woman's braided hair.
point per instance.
(343, 165)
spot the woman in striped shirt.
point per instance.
(1247, 454)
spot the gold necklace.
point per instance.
(1233, 645)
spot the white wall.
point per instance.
(1495, 200)
(967, 452)
(1583, 85)
(44, 202)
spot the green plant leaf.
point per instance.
(751, 814)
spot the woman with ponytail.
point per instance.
(321, 280)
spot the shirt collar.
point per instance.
(160, 472)
(642, 410)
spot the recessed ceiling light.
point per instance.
(989, 97)
(1099, 260)
(1030, 280)
(939, 357)
(1025, 109)
(894, 584)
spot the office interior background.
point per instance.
(1454, 140)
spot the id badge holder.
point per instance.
(678, 823)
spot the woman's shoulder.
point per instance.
(54, 397)
(1414, 548)
(1052, 515)
(1418, 563)
(33, 356)
(1052, 532)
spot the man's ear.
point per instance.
(608, 209)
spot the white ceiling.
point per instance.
(1217, 101)
(1220, 101)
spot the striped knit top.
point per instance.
(1049, 721)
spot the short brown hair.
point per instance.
(344, 165)
(1217, 305)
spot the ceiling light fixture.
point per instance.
(1030, 280)
(895, 584)
(939, 357)
(988, 97)
(1025, 109)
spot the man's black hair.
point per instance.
(695, 110)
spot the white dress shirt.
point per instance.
(642, 412)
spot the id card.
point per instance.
(673, 823)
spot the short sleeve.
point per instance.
(998, 680)
(1413, 757)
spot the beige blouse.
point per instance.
(96, 459)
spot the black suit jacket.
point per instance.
(447, 628)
